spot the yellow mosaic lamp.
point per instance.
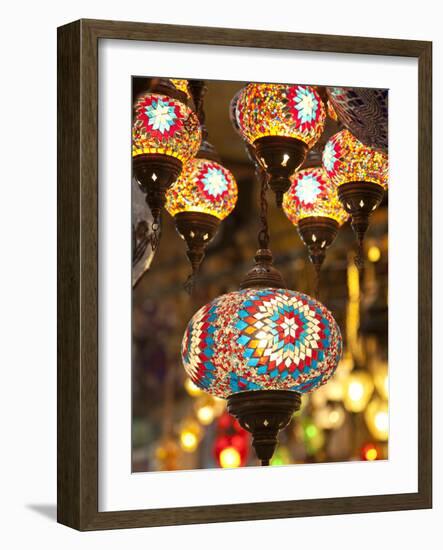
(361, 176)
(312, 205)
(165, 135)
(204, 195)
(282, 122)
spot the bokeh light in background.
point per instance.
(176, 425)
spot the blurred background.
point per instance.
(175, 425)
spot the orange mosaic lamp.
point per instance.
(204, 195)
(282, 122)
(361, 176)
(312, 205)
(165, 135)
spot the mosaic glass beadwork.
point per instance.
(261, 339)
(364, 112)
(293, 111)
(181, 85)
(346, 159)
(331, 111)
(165, 126)
(313, 194)
(203, 186)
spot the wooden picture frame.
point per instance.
(78, 274)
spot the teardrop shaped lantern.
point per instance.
(312, 205)
(260, 348)
(282, 122)
(165, 134)
(361, 176)
(204, 194)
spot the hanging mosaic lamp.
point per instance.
(260, 348)
(312, 205)
(165, 135)
(361, 176)
(250, 151)
(204, 194)
(364, 112)
(282, 122)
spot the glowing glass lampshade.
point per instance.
(204, 194)
(233, 118)
(165, 134)
(261, 348)
(346, 160)
(312, 204)
(282, 122)
(361, 176)
(203, 186)
(312, 194)
(261, 339)
(359, 388)
(377, 419)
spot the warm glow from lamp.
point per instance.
(230, 458)
(329, 417)
(261, 339)
(380, 371)
(280, 110)
(203, 186)
(190, 434)
(377, 419)
(189, 441)
(370, 452)
(205, 412)
(346, 160)
(165, 126)
(358, 390)
(374, 253)
(312, 194)
(191, 388)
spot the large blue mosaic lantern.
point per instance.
(261, 347)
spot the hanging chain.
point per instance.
(359, 258)
(155, 234)
(263, 235)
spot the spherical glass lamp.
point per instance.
(165, 135)
(361, 176)
(312, 204)
(203, 195)
(282, 122)
(260, 348)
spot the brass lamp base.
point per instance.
(197, 229)
(360, 199)
(155, 174)
(318, 233)
(281, 157)
(264, 413)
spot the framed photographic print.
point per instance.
(244, 275)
